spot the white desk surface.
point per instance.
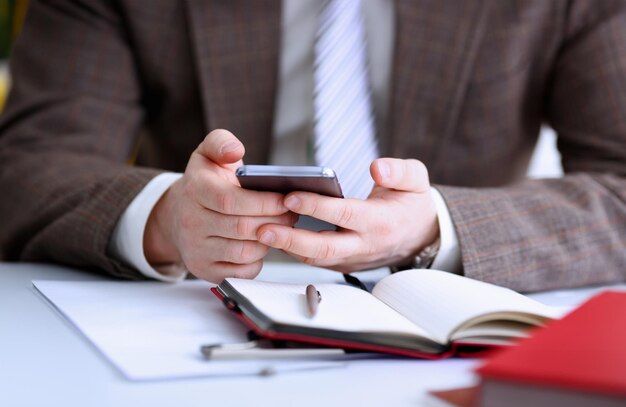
(45, 361)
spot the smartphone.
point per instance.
(289, 178)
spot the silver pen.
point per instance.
(254, 350)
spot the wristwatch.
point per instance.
(423, 260)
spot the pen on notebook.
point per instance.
(313, 299)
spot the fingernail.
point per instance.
(293, 203)
(230, 147)
(267, 237)
(384, 170)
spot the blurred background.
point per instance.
(546, 161)
(12, 13)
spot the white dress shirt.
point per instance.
(292, 129)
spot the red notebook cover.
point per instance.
(585, 351)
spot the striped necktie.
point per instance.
(344, 132)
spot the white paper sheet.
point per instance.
(153, 331)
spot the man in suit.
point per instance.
(461, 86)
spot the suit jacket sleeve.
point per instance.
(71, 124)
(542, 234)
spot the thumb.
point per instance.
(402, 175)
(221, 147)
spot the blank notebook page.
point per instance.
(342, 308)
(441, 301)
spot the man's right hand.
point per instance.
(207, 221)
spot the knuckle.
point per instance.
(264, 205)
(325, 251)
(243, 226)
(225, 202)
(232, 251)
(247, 252)
(315, 209)
(345, 215)
(242, 252)
(271, 205)
(290, 243)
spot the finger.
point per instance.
(242, 227)
(317, 245)
(216, 272)
(222, 196)
(402, 175)
(234, 251)
(221, 147)
(312, 261)
(344, 265)
(346, 213)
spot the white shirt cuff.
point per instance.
(449, 256)
(127, 241)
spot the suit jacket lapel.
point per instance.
(236, 46)
(436, 43)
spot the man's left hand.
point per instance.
(395, 222)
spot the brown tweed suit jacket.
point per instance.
(96, 82)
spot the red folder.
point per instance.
(583, 354)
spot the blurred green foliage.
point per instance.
(12, 13)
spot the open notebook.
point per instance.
(421, 313)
